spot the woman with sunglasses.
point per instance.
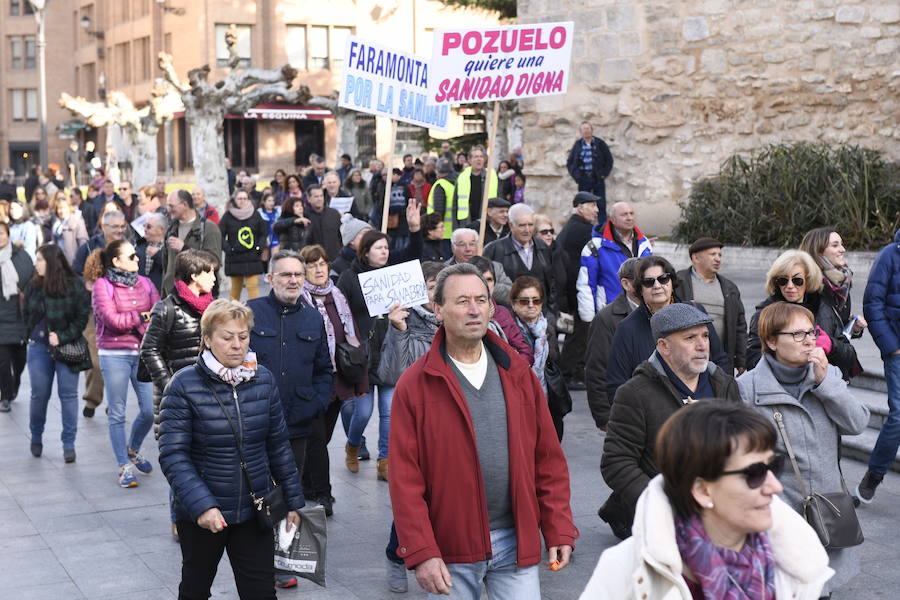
(711, 525)
(794, 378)
(122, 301)
(633, 342)
(527, 298)
(794, 277)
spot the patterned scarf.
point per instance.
(839, 280)
(128, 278)
(343, 309)
(233, 376)
(537, 334)
(198, 303)
(722, 573)
(8, 273)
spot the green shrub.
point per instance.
(780, 192)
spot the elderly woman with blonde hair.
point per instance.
(222, 443)
(796, 278)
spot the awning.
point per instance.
(279, 111)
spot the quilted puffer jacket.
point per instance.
(117, 312)
(198, 451)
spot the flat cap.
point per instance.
(498, 203)
(677, 317)
(584, 198)
(704, 243)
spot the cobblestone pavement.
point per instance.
(69, 532)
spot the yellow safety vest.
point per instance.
(463, 189)
(446, 185)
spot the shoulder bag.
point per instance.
(270, 508)
(832, 515)
(351, 362)
(74, 354)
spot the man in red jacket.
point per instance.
(477, 473)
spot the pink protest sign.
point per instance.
(500, 63)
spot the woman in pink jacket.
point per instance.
(122, 301)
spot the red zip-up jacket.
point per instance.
(437, 488)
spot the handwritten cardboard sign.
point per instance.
(341, 204)
(500, 63)
(382, 81)
(403, 283)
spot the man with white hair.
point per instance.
(611, 244)
(464, 243)
(520, 253)
(151, 262)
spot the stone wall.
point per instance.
(676, 87)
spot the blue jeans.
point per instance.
(363, 412)
(504, 581)
(889, 438)
(117, 371)
(41, 369)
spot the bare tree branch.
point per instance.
(265, 93)
(165, 64)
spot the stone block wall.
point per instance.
(675, 87)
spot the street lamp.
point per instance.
(175, 10)
(86, 25)
(38, 7)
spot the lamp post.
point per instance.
(38, 7)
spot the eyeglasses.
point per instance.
(757, 472)
(649, 282)
(529, 301)
(783, 281)
(799, 336)
(550, 231)
(291, 275)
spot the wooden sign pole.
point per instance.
(387, 180)
(492, 141)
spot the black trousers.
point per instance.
(571, 359)
(298, 446)
(12, 363)
(250, 551)
(316, 472)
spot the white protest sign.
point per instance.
(139, 225)
(500, 63)
(341, 204)
(403, 283)
(386, 82)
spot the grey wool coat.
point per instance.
(814, 425)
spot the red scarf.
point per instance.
(198, 303)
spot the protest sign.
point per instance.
(500, 63)
(341, 204)
(386, 82)
(403, 283)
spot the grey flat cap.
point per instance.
(677, 317)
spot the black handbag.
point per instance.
(831, 515)
(558, 397)
(351, 362)
(71, 353)
(271, 507)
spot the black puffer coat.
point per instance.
(12, 321)
(243, 242)
(293, 236)
(198, 452)
(172, 342)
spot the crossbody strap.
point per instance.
(779, 419)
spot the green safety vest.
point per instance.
(463, 188)
(447, 186)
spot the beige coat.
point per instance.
(647, 566)
(72, 233)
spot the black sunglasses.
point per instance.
(663, 279)
(756, 473)
(783, 281)
(550, 231)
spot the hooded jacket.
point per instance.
(649, 565)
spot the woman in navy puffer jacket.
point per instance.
(198, 453)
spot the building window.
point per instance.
(243, 45)
(240, 142)
(20, 7)
(143, 67)
(123, 63)
(22, 52)
(295, 44)
(24, 105)
(141, 8)
(315, 47)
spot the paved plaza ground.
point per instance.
(69, 532)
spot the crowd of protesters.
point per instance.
(472, 388)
